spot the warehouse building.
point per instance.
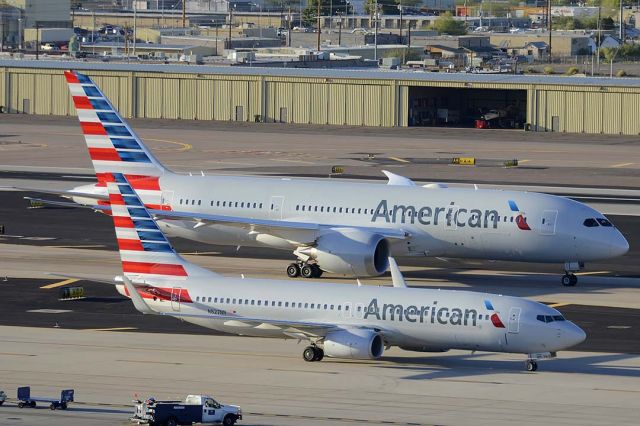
(332, 96)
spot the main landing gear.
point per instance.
(312, 353)
(569, 280)
(304, 270)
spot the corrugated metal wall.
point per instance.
(590, 111)
(357, 101)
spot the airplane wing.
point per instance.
(273, 226)
(61, 192)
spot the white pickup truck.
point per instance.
(194, 409)
(3, 397)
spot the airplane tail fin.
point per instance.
(146, 254)
(113, 145)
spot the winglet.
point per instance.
(396, 275)
(398, 180)
(137, 300)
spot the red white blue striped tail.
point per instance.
(113, 145)
(144, 250)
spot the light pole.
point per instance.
(318, 24)
(375, 37)
(400, 9)
(340, 28)
(20, 38)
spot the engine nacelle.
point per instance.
(354, 344)
(352, 252)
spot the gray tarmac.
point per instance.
(110, 354)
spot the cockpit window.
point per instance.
(604, 222)
(590, 223)
(550, 318)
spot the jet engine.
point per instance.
(354, 344)
(351, 252)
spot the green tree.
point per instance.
(327, 8)
(445, 24)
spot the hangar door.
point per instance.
(452, 107)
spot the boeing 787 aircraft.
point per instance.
(342, 227)
(338, 320)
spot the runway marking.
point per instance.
(184, 146)
(198, 253)
(400, 160)
(49, 311)
(148, 362)
(111, 329)
(622, 164)
(557, 305)
(619, 327)
(523, 161)
(80, 246)
(292, 161)
(593, 273)
(59, 284)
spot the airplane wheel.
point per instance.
(309, 354)
(532, 365)
(306, 271)
(569, 280)
(293, 270)
(317, 272)
(319, 354)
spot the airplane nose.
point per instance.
(620, 247)
(575, 335)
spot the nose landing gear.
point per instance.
(532, 365)
(569, 280)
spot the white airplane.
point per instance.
(339, 320)
(342, 227)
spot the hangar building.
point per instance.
(383, 98)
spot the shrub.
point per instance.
(531, 70)
(548, 70)
(572, 71)
(621, 73)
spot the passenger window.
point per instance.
(254, 205)
(299, 305)
(604, 222)
(590, 223)
(193, 202)
(197, 298)
(346, 307)
(340, 211)
(199, 202)
(306, 305)
(332, 307)
(325, 306)
(260, 205)
(359, 211)
(215, 300)
(303, 208)
(236, 204)
(239, 301)
(224, 204)
(321, 209)
(297, 208)
(273, 303)
(246, 301)
(217, 203)
(313, 305)
(253, 302)
(209, 300)
(180, 200)
(286, 304)
(279, 304)
(339, 307)
(315, 208)
(242, 204)
(228, 300)
(334, 209)
(234, 301)
(259, 302)
(511, 219)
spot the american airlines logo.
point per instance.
(451, 216)
(433, 314)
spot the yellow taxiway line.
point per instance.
(59, 284)
(557, 305)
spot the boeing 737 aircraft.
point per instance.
(338, 320)
(341, 227)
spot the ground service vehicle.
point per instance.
(3, 397)
(194, 409)
(26, 400)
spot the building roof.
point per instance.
(380, 74)
(537, 44)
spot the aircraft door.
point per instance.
(358, 310)
(276, 204)
(514, 320)
(175, 298)
(166, 200)
(346, 311)
(548, 222)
